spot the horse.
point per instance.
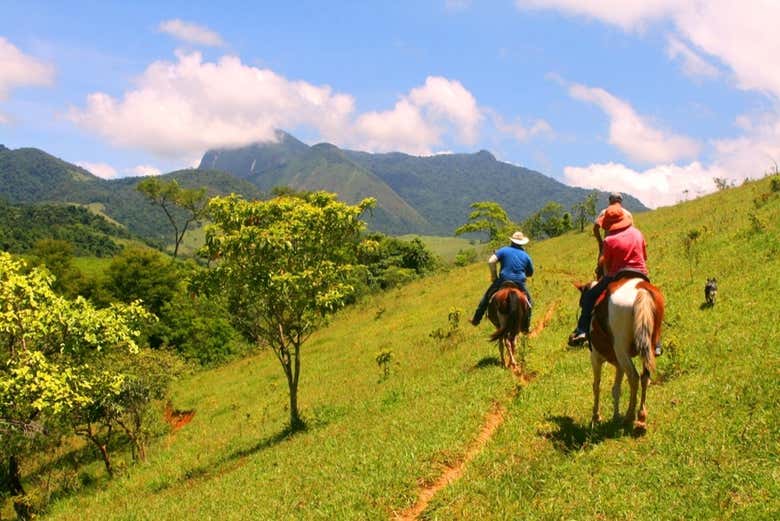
(508, 311)
(625, 324)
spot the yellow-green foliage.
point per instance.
(711, 450)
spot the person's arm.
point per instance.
(492, 262)
(597, 234)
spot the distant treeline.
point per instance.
(21, 226)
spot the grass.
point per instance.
(711, 450)
(445, 247)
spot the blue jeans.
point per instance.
(588, 300)
(495, 286)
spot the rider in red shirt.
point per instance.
(624, 249)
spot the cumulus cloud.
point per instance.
(420, 119)
(742, 35)
(18, 69)
(632, 133)
(191, 33)
(180, 109)
(143, 170)
(103, 170)
(661, 185)
(692, 64)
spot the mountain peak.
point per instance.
(484, 154)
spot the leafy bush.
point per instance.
(466, 257)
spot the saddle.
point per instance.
(600, 335)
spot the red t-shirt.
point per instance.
(624, 250)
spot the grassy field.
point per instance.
(446, 247)
(710, 452)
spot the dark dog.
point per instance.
(711, 291)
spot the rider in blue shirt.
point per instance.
(516, 266)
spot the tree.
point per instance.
(490, 217)
(552, 220)
(585, 211)
(282, 265)
(47, 347)
(169, 195)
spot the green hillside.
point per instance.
(31, 176)
(373, 443)
(21, 226)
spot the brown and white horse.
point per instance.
(626, 324)
(508, 311)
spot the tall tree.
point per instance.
(490, 217)
(283, 265)
(552, 220)
(168, 196)
(585, 211)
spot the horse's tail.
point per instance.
(645, 327)
(511, 308)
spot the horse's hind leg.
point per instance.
(597, 362)
(511, 349)
(624, 360)
(501, 351)
(642, 418)
(616, 393)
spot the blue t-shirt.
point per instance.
(516, 264)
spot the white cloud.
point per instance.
(628, 14)
(632, 134)
(420, 119)
(144, 170)
(191, 33)
(517, 130)
(692, 64)
(103, 170)
(661, 185)
(21, 70)
(742, 35)
(180, 109)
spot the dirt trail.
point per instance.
(545, 320)
(492, 421)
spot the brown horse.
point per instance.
(625, 324)
(508, 311)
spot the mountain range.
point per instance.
(415, 194)
(424, 195)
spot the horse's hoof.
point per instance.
(642, 417)
(640, 427)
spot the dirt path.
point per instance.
(492, 421)
(545, 320)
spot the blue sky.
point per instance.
(652, 97)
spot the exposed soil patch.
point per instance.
(492, 421)
(548, 316)
(176, 418)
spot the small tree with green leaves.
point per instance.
(585, 211)
(168, 196)
(489, 217)
(283, 265)
(49, 349)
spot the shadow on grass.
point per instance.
(573, 437)
(235, 459)
(706, 305)
(488, 361)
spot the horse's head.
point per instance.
(584, 286)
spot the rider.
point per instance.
(516, 266)
(624, 248)
(614, 198)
